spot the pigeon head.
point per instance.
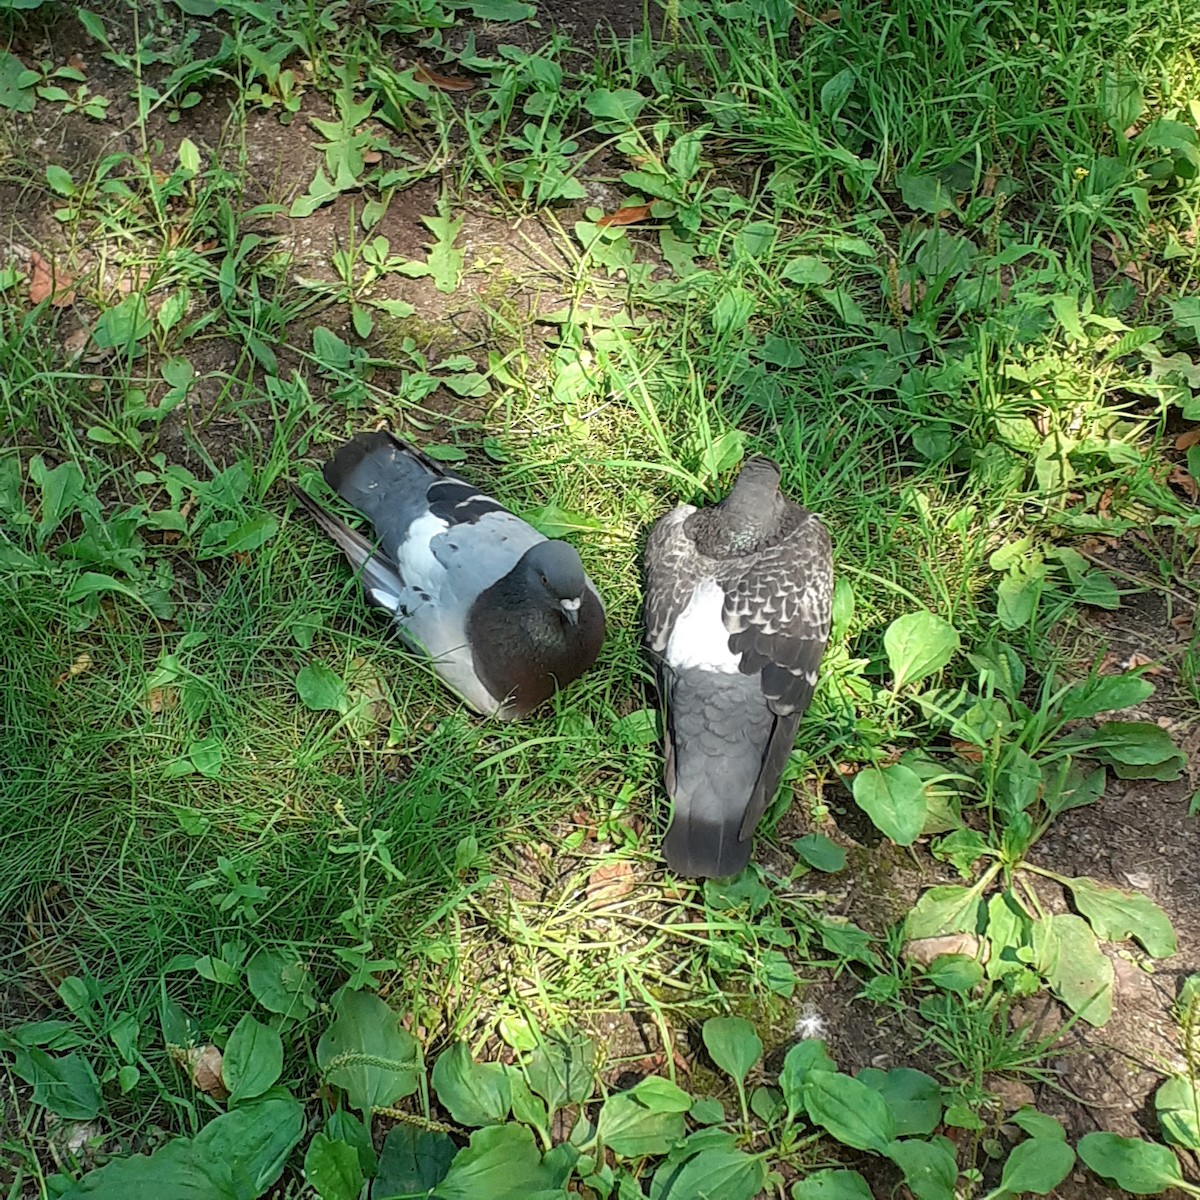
(554, 574)
(758, 475)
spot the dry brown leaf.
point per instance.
(1182, 624)
(371, 157)
(203, 1064)
(159, 700)
(1185, 441)
(1104, 507)
(923, 951)
(1180, 477)
(829, 16)
(134, 279)
(76, 63)
(47, 283)
(990, 178)
(968, 751)
(610, 882)
(1137, 659)
(447, 83)
(629, 215)
(906, 294)
(82, 662)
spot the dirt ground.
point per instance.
(1140, 836)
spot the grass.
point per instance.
(936, 260)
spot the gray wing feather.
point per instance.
(777, 610)
(673, 568)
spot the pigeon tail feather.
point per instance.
(726, 754)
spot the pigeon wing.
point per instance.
(673, 568)
(778, 604)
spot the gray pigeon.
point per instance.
(506, 615)
(738, 600)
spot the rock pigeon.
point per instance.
(738, 602)
(506, 615)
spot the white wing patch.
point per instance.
(699, 638)
(418, 566)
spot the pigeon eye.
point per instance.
(545, 581)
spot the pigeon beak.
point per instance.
(570, 609)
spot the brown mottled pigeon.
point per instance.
(506, 615)
(738, 601)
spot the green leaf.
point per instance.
(527, 1108)
(444, 261)
(917, 645)
(1065, 954)
(844, 305)
(708, 1110)
(171, 1171)
(733, 310)
(1134, 749)
(15, 92)
(621, 106)
(733, 1045)
(123, 326)
(280, 982)
(924, 193)
(473, 1093)
(1038, 1166)
(61, 489)
(799, 1062)
(944, 909)
(253, 1060)
(506, 11)
(1038, 1125)
(412, 1160)
(251, 534)
(807, 271)
(717, 1174)
(1121, 100)
(344, 1126)
(914, 1098)
(850, 1111)
(1143, 1168)
(930, 1168)
(832, 1184)
(552, 521)
(333, 1169)
(65, 1084)
(683, 160)
(1177, 1103)
(561, 1069)
(894, 798)
(1104, 693)
(645, 1120)
(321, 690)
(246, 1149)
(501, 1162)
(820, 852)
(366, 1052)
(955, 973)
(1116, 915)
